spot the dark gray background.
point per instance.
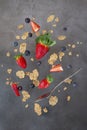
(64, 116)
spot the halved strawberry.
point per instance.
(35, 26)
(57, 68)
(15, 89)
(20, 60)
(43, 44)
(45, 82)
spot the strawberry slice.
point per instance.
(15, 89)
(20, 60)
(35, 26)
(56, 68)
(43, 44)
(45, 83)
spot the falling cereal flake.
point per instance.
(68, 98)
(54, 25)
(69, 81)
(45, 110)
(34, 75)
(18, 37)
(26, 106)
(8, 54)
(9, 71)
(53, 100)
(70, 53)
(20, 26)
(65, 88)
(37, 109)
(22, 48)
(56, 19)
(50, 18)
(73, 46)
(61, 37)
(20, 74)
(25, 95)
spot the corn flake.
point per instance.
(61, 55)
(18, 37)
(45, 110)
(53, 100)
(37, 109)
(69, 81)
(68, 98)
(50, 18)
(9, 71)
(8, 54)
(36, 82)
(20, 74)
(22, 48)
(53, 58)
(25, 95)
(20, 26)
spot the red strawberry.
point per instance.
(15, 89)
(43, 43)
(20, 60)
(56, 68)
(35, 26)
(45, 82)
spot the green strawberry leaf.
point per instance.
(45, 39)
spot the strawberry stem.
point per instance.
(49, 78)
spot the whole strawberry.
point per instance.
(15, 89)
(43, 44)
(45, 83)
(21, 61)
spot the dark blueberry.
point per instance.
(38, 63)
(63, 48)
(27, 53)
(65, 28)
(19, 88)
(15, 44)
(32, 85)
(27, 20)
(30, 34)
(74, 84)
(69, 66)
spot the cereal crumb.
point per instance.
(36, 82)
(53, 58)
(20, 74)
(2, 65)
(65, 88)
(20, 26)
(18, 37)
(26, 106)
(61, 37)
(37, 34)
(22, 48)
(15, 50)
(44, 31)
(73, 46)
(77, 55)
(45, 110)
(51, 31)
(8, 54)
(50, 18)
(37, 109)
(68, 98)
(25, 95)
(54, 25)
(69, 81)
(53, 100)
(69, 45)
(32, 59)
(70, 53)
(58, 91)
(61, 55)
(7, 82)
(56, 19)
(9, 71)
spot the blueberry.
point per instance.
(30, 34)
(65, 28)
(27, 20)
(19, 88)
(69, 66)
(27, 53)
(32, 85)
(74, 84)
(15, 44)
(63, 48)
(39, 63)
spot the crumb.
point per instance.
(32, 59)
(58, 91)
(37, 109)
(68, 98)
(9, 71)
(8, 54)
(56, 19)
(61, 55)
(36, 82)
(44, 31)
(37, 34)
(61, 37)
(18, 37)
(53, 100)
(15, 50)
(26, 106)
(45, 110)
(51, 31)
(2, 65)
(65, 88)
(53, 58)
(69, 45)
(20, 26)
(22, 48)
(70, 53)
(50, 18)
(77, 55)
(69, 81)
(54, 25)
(20, 74)
(7, 82)
(73, 46)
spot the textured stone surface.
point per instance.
(64, 116)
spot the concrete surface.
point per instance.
(64, 116)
